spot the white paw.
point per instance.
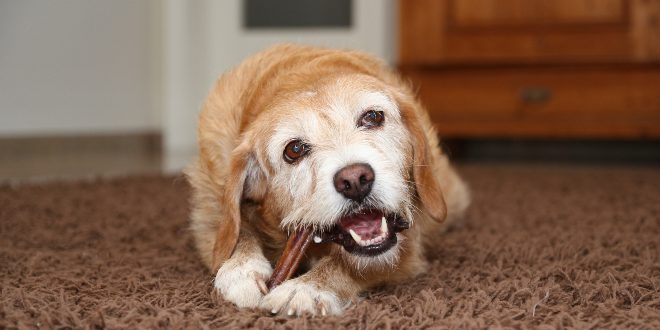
(242, 281)
(295, 297)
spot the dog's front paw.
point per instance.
(243, 281)
(295, 297)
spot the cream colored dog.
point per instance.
(332, 140)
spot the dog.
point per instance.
(333, 140)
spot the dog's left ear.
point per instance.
(244, 181)
(426, 154)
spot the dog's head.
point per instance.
(346, 155)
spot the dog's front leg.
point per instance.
(241, 279)
(326, 289)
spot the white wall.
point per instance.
(79, 66)
(99, 66)
(203, 38)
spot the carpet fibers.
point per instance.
(542, 247)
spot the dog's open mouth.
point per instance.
(366, 233)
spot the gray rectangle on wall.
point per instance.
(258, 14)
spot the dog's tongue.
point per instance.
(367, 224)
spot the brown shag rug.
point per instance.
(542, 247)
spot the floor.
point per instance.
(541, 247)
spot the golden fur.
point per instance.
(237, 212)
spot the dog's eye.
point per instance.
(372, 118)
(294, 150)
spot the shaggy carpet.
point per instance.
(542, 247)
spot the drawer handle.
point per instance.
(535, 94)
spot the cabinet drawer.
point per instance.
(555, 100)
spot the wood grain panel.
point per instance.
(507, 31)
(421, 31)
(489, 13)
(611, 46)
(645, 32)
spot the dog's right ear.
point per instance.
(244, 180)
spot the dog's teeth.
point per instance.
(317, 239)
(383, 226)
(355, 236)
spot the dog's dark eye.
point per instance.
(294, 150)
(372, 118)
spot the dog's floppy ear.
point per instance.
(244, 180)
(426, 155)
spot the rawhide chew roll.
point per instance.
(290, 258)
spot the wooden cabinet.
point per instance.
(523, 68)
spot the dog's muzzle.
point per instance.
(366, 233)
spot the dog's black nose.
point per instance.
(354, 181)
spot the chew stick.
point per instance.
(290, 258)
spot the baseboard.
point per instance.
(623, 152)
(80, 155)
